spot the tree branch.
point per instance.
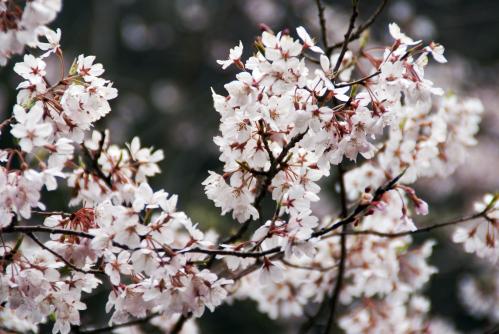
(60, 257)
(355, 35)
(45, 229)
(361, 81)
(360, 207)
(95, 162)
(322, 22)
(344, 47)
(418, 231)
(341, 270)
(180, 323)
(274, 168)
(233, 253)
(113, 327)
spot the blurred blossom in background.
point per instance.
(162, 57)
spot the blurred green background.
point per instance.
(162, 54)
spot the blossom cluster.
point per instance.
(284, 123)
(377, 268)
(48, 120)
(20, 26)
(121, 230)
(482, 237)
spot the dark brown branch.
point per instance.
(180, 323)
(95, 162)
(311, 267)
(60, 257)
(360, 81)
(341, 270)
(45, 229)
(7, 330)
(252, 268)
(356, 34)
(418, 231)
(344, 47)
(108, 329)
(322, 22)
(360, 207)
(233, 253)
(275, 167)
(264, 135)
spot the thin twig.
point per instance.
(45, 229)
(60, 257)
(361, 81)
(341, 270)
(322, 22)
(233, 253)
(113, 327)
(418, 231)
(7, 330)
(358, 32)
(360, 207)
(344, 47)
(311, 267)
(274, 168)
(180, 323)
(95, 163)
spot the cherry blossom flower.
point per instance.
(234, 57)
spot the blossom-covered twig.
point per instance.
(418, 231)
(360, 207)
(60, 257)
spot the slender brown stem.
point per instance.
(275, 168)
(341, 269)
(94, 159)
(60, 257)
(344, 46)
(45, 229)
(322, 22)
(180, 323)
(360, 208)
(233, 253)
(418, 231)
(361, 81)
(108, 329)
(358, 32)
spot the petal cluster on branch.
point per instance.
(290, 115)
(22, 22)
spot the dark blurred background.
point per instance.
(162, 57)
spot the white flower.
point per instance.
(308, 42)
(30, 129)
(398, 35)
(53, 42)
(31, 69)
(144, 260)
(87, 69)
(234, 57)
(117, 265)
(437, 51)
(271, 272)
(145, 197)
